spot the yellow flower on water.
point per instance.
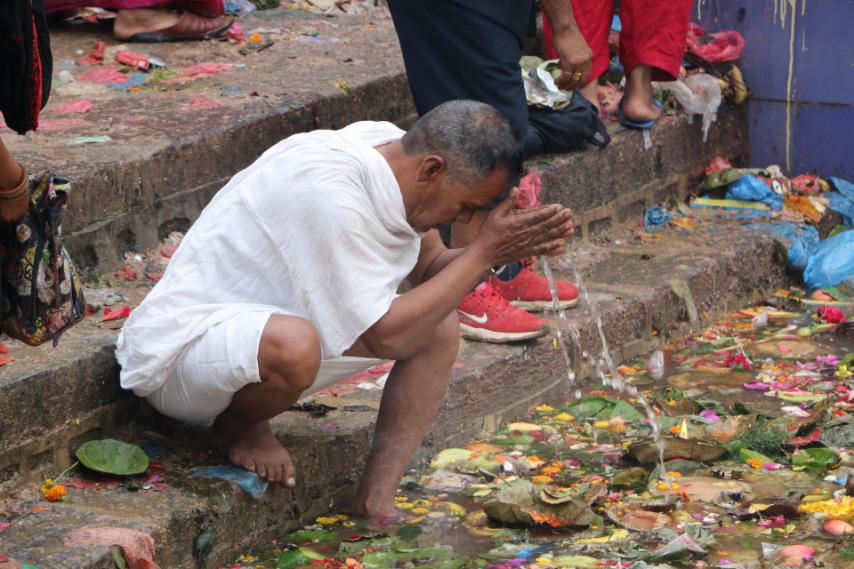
(551, 470)
(842, 509)
(563, 417)
(420, 511)
(541, 479)
(404, 505)
(544, 408)
(842, 372)
(330, 520)
(602, 424)
(674, 474)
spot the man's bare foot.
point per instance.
(637, 105)
(384, 514)
(131, 22)
(255, 448)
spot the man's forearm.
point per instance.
(415, 313)
(561, 15)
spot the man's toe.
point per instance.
(289, 473)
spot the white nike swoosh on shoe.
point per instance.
(482, 319)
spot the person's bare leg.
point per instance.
(636, 100)
(288, 359)
(131, 22)
(589, 92)
(411, 400)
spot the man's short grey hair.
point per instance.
(475, 139)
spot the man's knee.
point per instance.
(289, 352)
(448, 333)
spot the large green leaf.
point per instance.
(588, 407)
(816, 458)
(112, 457)
(626, 411)
(450, 457)
(434, 557)
(292, 559)
(314, 536)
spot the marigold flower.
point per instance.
(755, 463)
(53, 492)
(541, 479)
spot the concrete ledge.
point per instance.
(630, 283)
(70, 385)
(612, 187)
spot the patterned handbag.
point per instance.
(42, 295)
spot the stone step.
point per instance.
(72, 390)
(632, 283)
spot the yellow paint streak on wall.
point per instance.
(789, 94)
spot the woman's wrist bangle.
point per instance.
(19, 190)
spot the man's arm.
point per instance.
(576, 57)
(433, 257)
(447, 276)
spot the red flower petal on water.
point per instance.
(832, 314)
(806, 439)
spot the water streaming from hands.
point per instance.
(615, 379)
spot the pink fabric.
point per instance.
(52, 6)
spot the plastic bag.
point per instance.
(843, 201)
(655, 218)
(539, 82)
(249, 482)
(717, 47)
(832, 263)
(752, 189)
(699, 95)
(800, 240)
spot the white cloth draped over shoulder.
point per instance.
(315, 228)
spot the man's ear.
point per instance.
(430, 169)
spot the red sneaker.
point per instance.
(530, 290)
(486, 316)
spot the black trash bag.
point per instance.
(569, 128)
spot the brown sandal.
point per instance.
(189, 27)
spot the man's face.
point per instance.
(445, 202)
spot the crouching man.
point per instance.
(288, 282)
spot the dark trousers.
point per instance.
(453, 52)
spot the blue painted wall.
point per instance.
(819, 34)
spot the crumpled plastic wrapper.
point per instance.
(540, 88)
(699, 95)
